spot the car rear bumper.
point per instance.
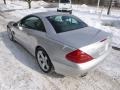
(79, 69)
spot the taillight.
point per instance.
(78, 56)
(103, 40)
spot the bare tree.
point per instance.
(109, 8)
(4, 1)
(29, 3)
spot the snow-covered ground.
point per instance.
(19, 70)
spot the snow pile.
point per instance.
(38, 4)
(20, 9)
(42, 3)
(84, 5)
(13, 5)
(21, 5)
(113, 23)
(22, 13)
(84, 8)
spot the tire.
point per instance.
(58, 10)
(70, 12)
(43, 60)
(10, 34)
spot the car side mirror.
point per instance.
(19, 27)
(15, 24)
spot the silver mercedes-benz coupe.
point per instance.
(61, 42)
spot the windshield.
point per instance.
(66, 23)
(64, 1)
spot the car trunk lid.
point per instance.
(90, 40)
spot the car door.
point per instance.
(34, 32)
(21, 33)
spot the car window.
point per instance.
(64, 1)
(33, 23)
(62, 23)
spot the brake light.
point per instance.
(78, 56)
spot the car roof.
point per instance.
(49, 13)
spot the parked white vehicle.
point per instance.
(65, 6)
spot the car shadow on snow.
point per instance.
(23, 56)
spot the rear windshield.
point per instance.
(64, 1)
(66, 23)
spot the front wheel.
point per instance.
(10, 34)
(70, 12)
(43, 60)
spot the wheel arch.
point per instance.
(37, 47)
(8, 27)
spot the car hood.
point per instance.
(82, 37)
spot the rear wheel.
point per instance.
(43, 60)
(10, 34)
(70, 12)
